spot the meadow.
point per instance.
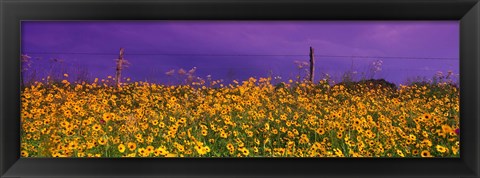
(252, 118)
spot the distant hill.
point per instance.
(373, 83)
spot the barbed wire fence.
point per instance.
(337, 67)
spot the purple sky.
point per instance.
(243, 40)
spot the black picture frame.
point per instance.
(14, 11)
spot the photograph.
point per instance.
(239, 88)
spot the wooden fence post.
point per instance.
(312, 65)
(120, 63)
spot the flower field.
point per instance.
(252, 118)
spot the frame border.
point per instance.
(12, 12)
